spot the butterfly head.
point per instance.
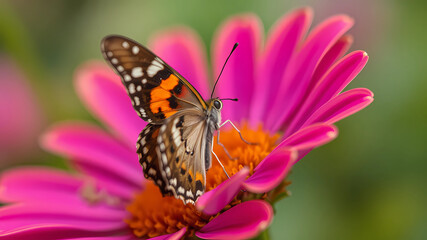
(214, 111)
(217, 104)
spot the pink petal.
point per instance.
(271, 171)
(238, 78)
(60, 231)
(281, 45)
(336, 52)
(342, 106)
(183, 50)
(21, 117)
(173, 236)
(310, 137)
(243, 221)
(334, 81)
(110, 163)
(39, 184)
(295, 83)
(215, 200)
(123, 237)
(105, 96)
(24, 215)
(54, 190)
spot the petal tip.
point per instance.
(369, 98)
(306, 10)
(332, 134)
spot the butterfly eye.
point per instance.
(217, 104)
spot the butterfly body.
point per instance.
(174, 149)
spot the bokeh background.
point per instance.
(370, 183)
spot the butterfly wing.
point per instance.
(178, 168)
(157, 91)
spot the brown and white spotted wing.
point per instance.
(157, 91)
(181, 147)
(146, 147)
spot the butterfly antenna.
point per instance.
(232, 50)
(231, 99)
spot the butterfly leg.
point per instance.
(225, 149)
(235, 128)
(223, 168)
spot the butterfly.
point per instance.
(175, 147)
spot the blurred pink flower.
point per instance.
(293, 85)
(21, 115)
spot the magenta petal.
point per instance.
(60, 231)
(243, 221)
(110, 163)
(39, 184)
(342, 106)
(238, 78)
(297, 80)
(22, 116)
(183, 49)
(105, 96)
(173, 236)
(271, 171)
(24, 215)
(336, 52)
(215, 200)
(310, 137)
(334, 81)
(281, 45)
(121, 237)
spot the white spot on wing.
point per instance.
(114, 61)
(163, 128)
(131, 88)
(144, 165)
(145, 150)
(110, 54)
(168, 171)
(152, 171)
(164, 159)
(189, 194)
(120, 68)
(125, 44)
(127, 78)
(135, 50)
(138, 88)
(144, 81)
(136, 72)
(142, 141)
(154, 68)
(136, 100)
(199, 193)
(181, 190)
(173, 182)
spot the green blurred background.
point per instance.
(370, 183)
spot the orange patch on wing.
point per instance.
(160, 94)
(170, 82)
(158, 100)
(199, 176)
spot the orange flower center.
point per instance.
(154, 215)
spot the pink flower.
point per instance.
(21, 117)
(293, 85)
